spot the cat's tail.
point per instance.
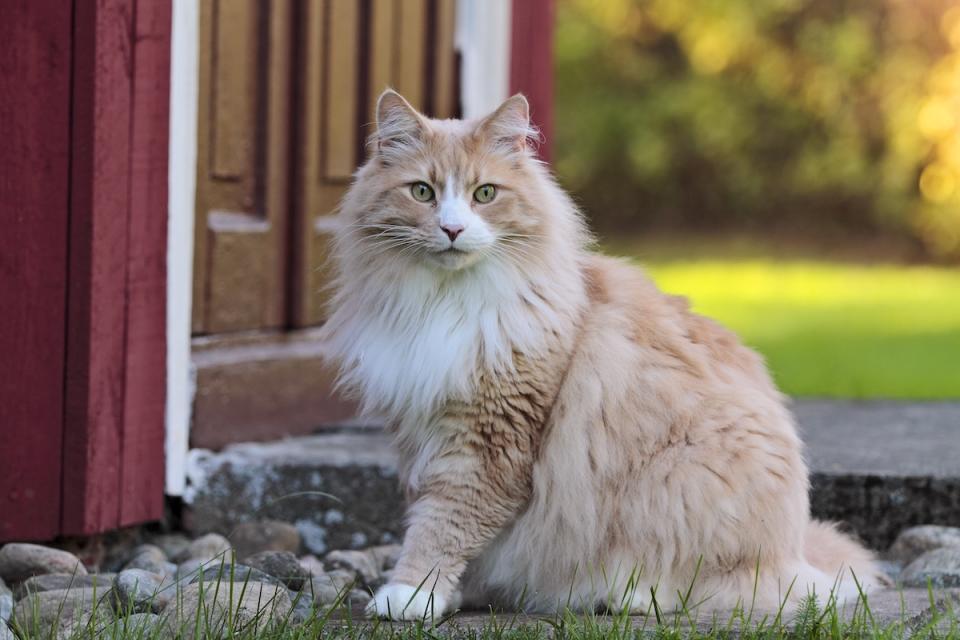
(851, 565)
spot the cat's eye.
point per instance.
(421, 192)
(485, 193)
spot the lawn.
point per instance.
(828, 326)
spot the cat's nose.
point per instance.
(452, 230)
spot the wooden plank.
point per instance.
(234, 87)
(142, 470)
(411, 51)
(531, 63)
(315, 195)
(198, 306)
(381, 58)
(342, 73)
(96, 304)
(35, 61)
(444, 57)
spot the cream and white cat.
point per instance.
(568, 433)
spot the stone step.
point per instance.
(879, 467)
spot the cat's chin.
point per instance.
(453, 260)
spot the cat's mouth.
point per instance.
(453, 258)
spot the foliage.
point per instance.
(841, 115)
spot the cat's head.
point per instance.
(449, 194)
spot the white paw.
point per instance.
(403, 602)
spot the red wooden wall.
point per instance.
(84, 108)
(531, 63)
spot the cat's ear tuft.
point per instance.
(398, 123)
(509, 126)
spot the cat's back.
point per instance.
(629, 316)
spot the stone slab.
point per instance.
(340, 489)
(878, 467)
(881, 438)
(882, 466)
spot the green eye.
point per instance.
(421, 192)
(485, 193)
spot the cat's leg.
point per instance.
(463, 503)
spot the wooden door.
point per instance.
(287, 92)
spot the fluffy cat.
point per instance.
(569, 434)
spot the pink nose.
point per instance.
(452, 230)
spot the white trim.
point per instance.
(184, 62)
(483, 39)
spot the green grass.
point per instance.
(827, 326)
(815, 620)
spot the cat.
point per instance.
(569, 435)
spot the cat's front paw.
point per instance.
(403, 602)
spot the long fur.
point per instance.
(567, 432)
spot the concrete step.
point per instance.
(879, 467)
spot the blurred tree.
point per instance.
(842, 115)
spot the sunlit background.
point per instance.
(791, 166)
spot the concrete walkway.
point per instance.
(876, 466)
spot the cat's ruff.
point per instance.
(568, 434)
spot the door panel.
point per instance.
(242, 166)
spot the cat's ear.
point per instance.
(509, 126)
(398, 124)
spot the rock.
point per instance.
(915, 541)
(322, 592)
(6, 633)
(139, 591)
(148, 557)
(140, 626)
(359, 597)
(385, 577)
(251, 538)
(209, 547)
(252, 606)
(362, 563)
(233, 573)
(940, 566)
(173, 545)
(312, 564)
(890, 569)
(386, 555)
(53, 581)
(191, 568)
(60, 612)
(340, 578)
(280, 564)
(19, 561)
(328, 588)
(6, 603)
(304, 607)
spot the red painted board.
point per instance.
(96, 301)
(34, 156)
(531, 63)
(142, 473)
